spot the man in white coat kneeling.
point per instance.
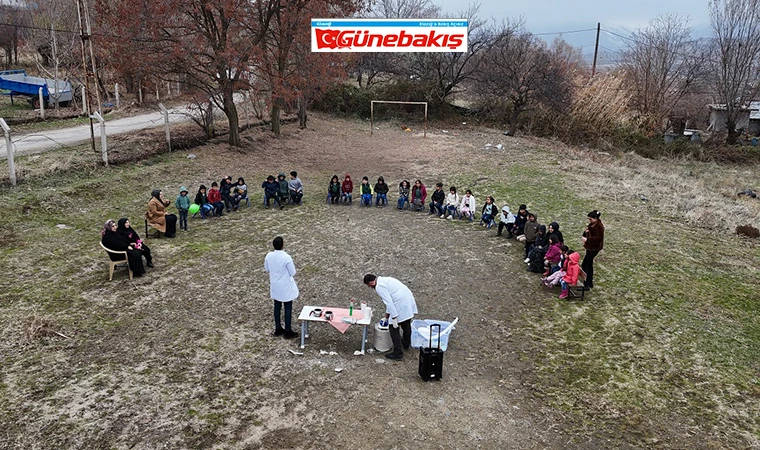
(400, 309)
(282, 286)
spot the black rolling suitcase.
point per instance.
(431, 359)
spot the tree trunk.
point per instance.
(302, 112)
(275, 116)
(230, 110)
(359, 78)
(733, 136)
(514, 120)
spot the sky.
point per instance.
(620, 16)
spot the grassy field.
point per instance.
(663, 353)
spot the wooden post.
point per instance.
(424, 130)
(139, 95)
(596, 47)
(371, 116)
(9, 147)
(166, 125)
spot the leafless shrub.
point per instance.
(38, 327)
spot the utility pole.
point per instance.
(596, 47)
(85, 32)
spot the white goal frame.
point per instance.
(372, 113)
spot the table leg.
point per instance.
(303, 333)
(364, 338)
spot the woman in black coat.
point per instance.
(118, 243)
(125, 229)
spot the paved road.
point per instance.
(44, 140)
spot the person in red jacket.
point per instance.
(593, 242)
(215, 198)
(571, 275)
(346, 188)
(419, 194)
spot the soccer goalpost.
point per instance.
(372, 113)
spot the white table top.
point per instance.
(306, 315)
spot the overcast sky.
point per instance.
(621, 16)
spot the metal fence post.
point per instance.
(166, 125)
(84, 100)
(42, 104)
(116, 91)
(103, 140)
(9, 146)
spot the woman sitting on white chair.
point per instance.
(118, 243)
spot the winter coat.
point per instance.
(553, 254)
(381, 188)
(493, 211)
(283, 188)
(520, 222)
(296, 185)
(572, 268)
(270, 188)
(183, 201)
(506, 216)
(542, 240)
(452, 199)
(422, 193)
(214, 195)
(347, 186)
(403, 191)
(438, 196)
(594, 237)
(468, 202)
(530, 230)
(365, 189)
(155, 214)
(334, 189)
(201, 198)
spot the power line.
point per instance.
(549, 33)
(57, 30)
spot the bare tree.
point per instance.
(369, 65)
(662, 63)
(443, 74)
(13, 19)
(735, 57)
(516, 67)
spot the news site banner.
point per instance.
(389, 35)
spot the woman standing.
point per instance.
(593, 242)
(125, 229)
(118, 243)
(157, 215)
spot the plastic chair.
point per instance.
(114, 264)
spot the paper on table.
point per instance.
(339, 314)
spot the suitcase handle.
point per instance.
(430, 338)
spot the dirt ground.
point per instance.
(183, 358)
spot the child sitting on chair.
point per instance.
(572, 270)
(553, 254)
(215, 198)
(452, 202)
(467, 207)
(283, 190)
(403, 194)
(270, 187)
(201, 199)
(488, 214)
(365, 189)
(296, 188)
(555, 278)
(239, 192)
(381, 192)
(419, 194)
(346, 190)
(333, 190)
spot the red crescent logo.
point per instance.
(332, 39)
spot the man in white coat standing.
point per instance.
(400, 309)
(282, 286)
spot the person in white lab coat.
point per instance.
(400, 309)
(282, 286)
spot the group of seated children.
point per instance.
(545, 250)
(412, 197)
(213, 201)
(283, 191)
